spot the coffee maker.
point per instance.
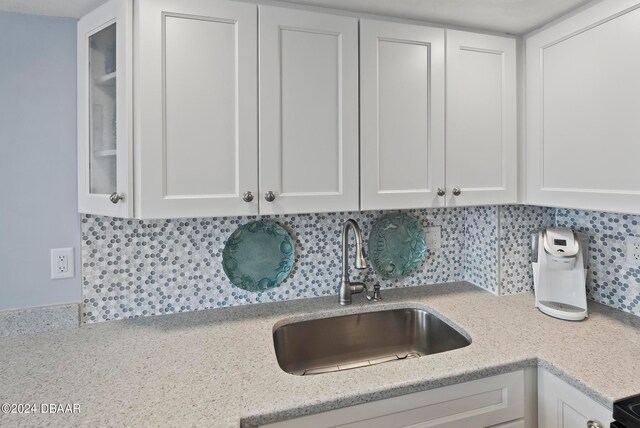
(559, 262)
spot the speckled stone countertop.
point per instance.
(217, 368)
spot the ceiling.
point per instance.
(509, 16)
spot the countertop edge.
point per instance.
(255, 420)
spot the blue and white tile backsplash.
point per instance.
(481, 240)
(610, 280)
(135, 268)
(516, 224)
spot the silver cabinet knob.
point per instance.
(115, 198)
(594, 424)
(247, 196)
(269, 196)
(456, 191)
(441, 191)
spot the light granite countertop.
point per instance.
(217, 368)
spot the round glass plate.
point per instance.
(397, 245)
(258, 256)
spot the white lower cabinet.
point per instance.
(562, 406)
(511, 424)
(527, 398)
(499, 401)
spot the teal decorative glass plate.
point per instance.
(258, 256)
(397, 245)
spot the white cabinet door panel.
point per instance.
(200, 127)
(513, 424)
(196, 93)
(479, 403)
(583, 102)
(562, 406)
(402, 115)
(308, 111)
(105, 137)
(482, 153)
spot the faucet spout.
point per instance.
(347, 288)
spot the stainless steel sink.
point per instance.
(350, 341)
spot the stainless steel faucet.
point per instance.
(347, 288)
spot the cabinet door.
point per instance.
(520, 423)
(104, 111)
(196, 116)
(402, 115)
(583, 104)
(562, 406)
(479, 403)
(308, 111)
(482, 141)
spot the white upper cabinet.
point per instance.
(196, 108)
(405, 162)
(402, 115)
(208, 108)
(105, 142)
(583, 110)
(308, 112)
(482, 155)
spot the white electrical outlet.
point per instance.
(62, 263)
(633, 250)
(433, 237)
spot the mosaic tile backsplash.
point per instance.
(610, 280)
(135, 268)
(516, 224)
(481, 240)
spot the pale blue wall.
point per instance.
(38, 201)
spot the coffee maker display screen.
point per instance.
(560, 242)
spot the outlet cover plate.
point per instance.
(62, 263)
(633, 250)
(433, 238)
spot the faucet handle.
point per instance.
(376, 294)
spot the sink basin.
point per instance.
(350, 341)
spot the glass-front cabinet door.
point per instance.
(104, 110)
